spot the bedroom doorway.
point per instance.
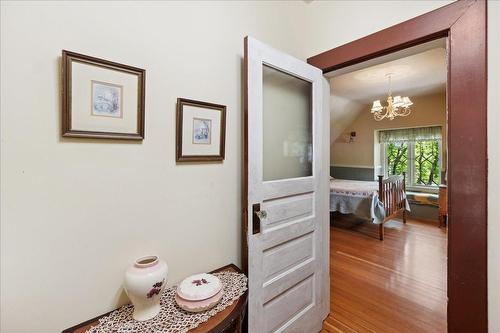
(463, 25)
(388, 154)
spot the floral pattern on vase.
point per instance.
(144, 283)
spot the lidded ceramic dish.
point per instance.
(199, 292)
(199, 306)
(199, 287)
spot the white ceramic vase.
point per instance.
(144, 283)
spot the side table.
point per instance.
(230, 320)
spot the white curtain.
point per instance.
(410, 134)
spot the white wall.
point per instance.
(70, 226)
(75, 213)
(333, 23)
(493, 166)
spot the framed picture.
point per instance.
(101, 99)
(201, 131)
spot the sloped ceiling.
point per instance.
(346, 111)
(353, 92)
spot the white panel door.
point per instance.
(287, 192)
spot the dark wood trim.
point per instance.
(464, 24)
(238, 310)
(178, 137)
(424, 28)
(467, 173)
(68, 58)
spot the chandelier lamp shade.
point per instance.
(397, 106)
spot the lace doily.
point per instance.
(172, 319)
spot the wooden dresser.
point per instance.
(230, 320)
(443, 205)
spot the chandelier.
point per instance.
(396, 107)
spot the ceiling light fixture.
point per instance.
(396, 107)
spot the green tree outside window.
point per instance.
(421, 156)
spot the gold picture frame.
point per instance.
(200, 131)
(114, 93)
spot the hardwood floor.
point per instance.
(395, 285)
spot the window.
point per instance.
(416, 151)
(397, 158)
(426, 163)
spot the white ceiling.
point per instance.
(419, 74)
(419, 70)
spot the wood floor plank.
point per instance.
(340, 326)
(396, 285)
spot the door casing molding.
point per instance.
(464, 24)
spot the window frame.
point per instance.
(410, 170)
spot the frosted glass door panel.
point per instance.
(287, 126)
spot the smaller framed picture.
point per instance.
(200, 132)
(101, 99)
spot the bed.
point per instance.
(378, 201)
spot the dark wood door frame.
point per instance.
(463, 23)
